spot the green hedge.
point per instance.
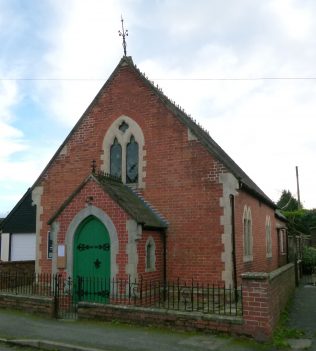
(309, 259)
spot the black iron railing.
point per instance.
(177, 295)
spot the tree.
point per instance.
(287, 202)
(299, 220)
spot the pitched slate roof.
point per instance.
(22, 218)
(125, 197)
(202, 135)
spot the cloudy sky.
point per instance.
(245, 70)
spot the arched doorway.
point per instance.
(92, 261)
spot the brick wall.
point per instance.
(264, 297)
(104, 202)
(32, 304)
(259, 211)
(181, 179)
(23, 267)
(189, 321)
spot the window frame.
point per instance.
(268, 231)
(123, 136)
(50, 245)
(152, 258)
(247, 235)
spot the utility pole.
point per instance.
(298, 189)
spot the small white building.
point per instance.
(18, 238)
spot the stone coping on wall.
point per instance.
(39, 299)
(159, 311)
(267, 276)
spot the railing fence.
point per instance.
(176, 295)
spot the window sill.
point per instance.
(149, 270)
(248, 259)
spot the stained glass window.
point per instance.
(132, 161)
(116, 159)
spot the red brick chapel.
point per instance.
(138, 188)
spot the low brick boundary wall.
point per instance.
(31, 304)
(160, 317)
(20, 267)
(264, 297)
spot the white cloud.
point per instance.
(266, 126)
(82, 47)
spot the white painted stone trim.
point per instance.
(230, 186)
(91, 210)
(124, 138)
(134, 231)
(36, 198)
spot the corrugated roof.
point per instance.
(126, 198)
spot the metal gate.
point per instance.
(65, 302)
(68, 292)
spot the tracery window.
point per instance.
(116, 159)
(123, 152)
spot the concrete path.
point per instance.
(303, 316)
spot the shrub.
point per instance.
(309, 259)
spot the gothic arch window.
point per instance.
(268, 237)
(123, 152)
(116, 159)
(150, 255)
(132, 161)
(247, 234)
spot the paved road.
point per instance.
(120, 337)
(112, 337)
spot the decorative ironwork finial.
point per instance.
(123, 34)
(93, 166)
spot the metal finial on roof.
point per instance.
(93, 166)
(123, 34)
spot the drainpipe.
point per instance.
(232, 207)
(164, 240)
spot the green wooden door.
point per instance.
(92, 261)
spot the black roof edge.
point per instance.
(259, 196)
(15, 208)
(280, 215)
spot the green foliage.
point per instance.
(287, 202)
(283, 332)
(300, 221)
(309, 259)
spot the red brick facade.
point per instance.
(182, 182)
